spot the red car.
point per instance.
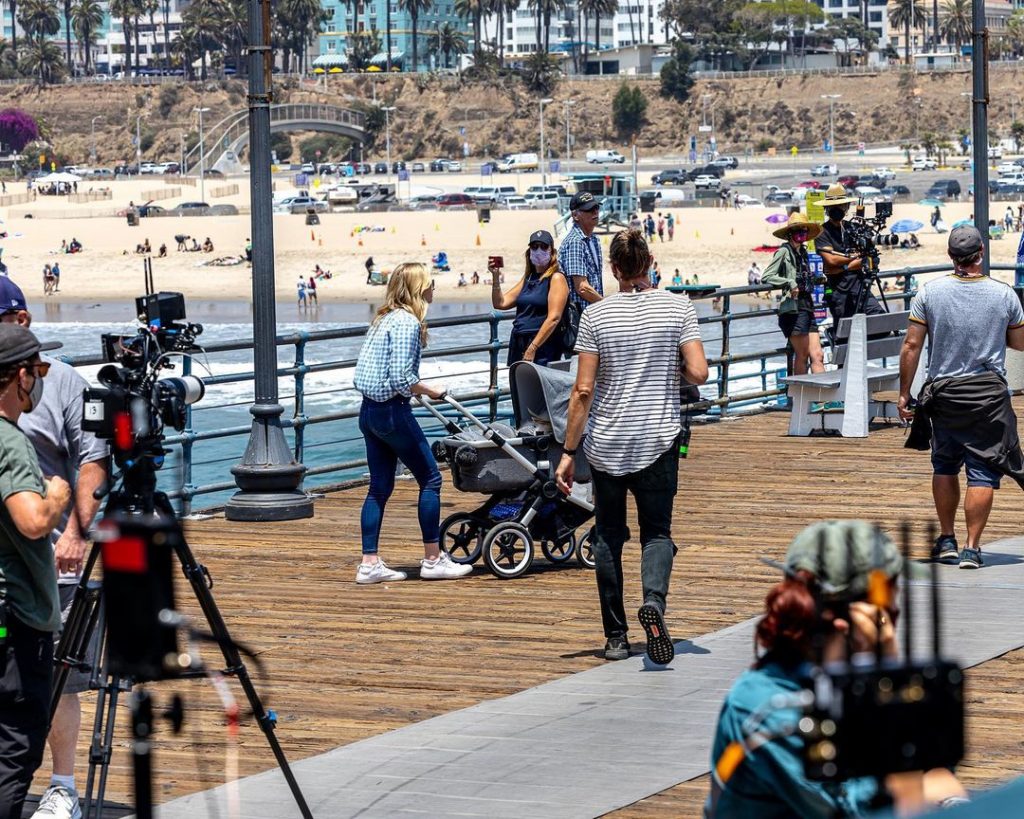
(848, 181)
(455, 201)
(812, 184)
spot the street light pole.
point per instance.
(268, 477)
(387, 131)
(138, 144)
(979, 124)
(92, 135)
(568, 139)
(543, 166)
(202, 177)
(831, 123)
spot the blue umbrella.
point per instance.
(964, 223)
(931, 203)
(906, 226)
(777, 218)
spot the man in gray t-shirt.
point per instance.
(969, 320)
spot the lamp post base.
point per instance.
(269, 479)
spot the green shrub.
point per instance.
(282, 146)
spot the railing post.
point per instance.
(723, 368)
(186, 449)
(493, 386)
(300, 395)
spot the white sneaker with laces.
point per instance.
(58, 802)
(444, 568)
(377, 573)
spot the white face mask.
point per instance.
(540, 259)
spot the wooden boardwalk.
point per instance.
(345, 662)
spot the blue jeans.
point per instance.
(392, 435)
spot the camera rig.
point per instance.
(863, 233)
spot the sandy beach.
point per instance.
(716, 244)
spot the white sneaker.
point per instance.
(58, 802)
(377, 573)
(444, 568)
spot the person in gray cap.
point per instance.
(63, 448)
(969, 320)
(32, 506)
(817, 613)
(539, 299)
(579, 256)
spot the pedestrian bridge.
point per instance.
(231, 134)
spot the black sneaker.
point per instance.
(617, 648)
(659, 644)
(946, 549)
(971, 559)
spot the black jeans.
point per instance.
(27, 665)
(654, 490)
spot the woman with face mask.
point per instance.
(789, 270)
(539, 300)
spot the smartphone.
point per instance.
(496, 261)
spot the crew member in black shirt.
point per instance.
(842, 262)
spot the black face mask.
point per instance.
(836, 212)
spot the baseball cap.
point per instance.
(842, 554)
(964, 240)
(18, 343)
(11, 297)
(583, 201)
(541, 236)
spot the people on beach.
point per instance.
(969, 319)
(311, 291)
(462, 281)
(753, 275)
(670, 224)
(475, 278)
(387, 376)
(789, 270)
(207, 245)
(818, 614)
(144, 247)
(182, 239)
(636, 348)
(539, 298)
(74, 246)
(301, 291)
(661, 227)
(47, 279)
(579, 256)
(194, 247)
(55, 273)
(677, 279)
(369, 270)
(163, 251)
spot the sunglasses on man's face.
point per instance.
(40, 368)
(539, 246)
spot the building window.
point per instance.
(330, 45)
(875, 16)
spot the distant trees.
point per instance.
(957, 25)
(629, 110)
(907, 14)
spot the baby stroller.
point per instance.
(516, 469)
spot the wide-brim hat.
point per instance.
(836, 195)
(798, 219)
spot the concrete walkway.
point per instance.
(595, 741)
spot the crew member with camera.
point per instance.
(843, 262)
(817, 614)
(29, 603)
(789, 270)
(64, 449)
(964, 411)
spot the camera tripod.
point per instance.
(138, 496)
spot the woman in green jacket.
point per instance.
(788, 269)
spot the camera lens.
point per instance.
(188, 388)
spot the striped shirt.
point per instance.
(580, 255)
(635, 415)
(389, 361)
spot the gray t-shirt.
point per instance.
(55, 430)
(967, 319)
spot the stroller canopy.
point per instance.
(541, 394)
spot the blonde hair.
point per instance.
(630, 254)
(552, 265)
(406, 286)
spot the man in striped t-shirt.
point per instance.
(633, 347)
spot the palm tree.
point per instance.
(957, 23)
(1015, 31)
(506, 12)
(598, 9)
(545, 9)
(473, 10)
(40, 18)
(413, 8)
(124, 9)
(43, 57)
(234, 17)
(907, 14)
(167, 34)
(447, 41)
(201, 19)
(14, 25)
(86, 19)
(67, 32)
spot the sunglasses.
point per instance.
(41, 368)
(539, 246)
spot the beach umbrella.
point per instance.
(964, 223)
(69, 178)
(776, 218)
(906, 226)
(931, 203)
(335, 70)
(318, 70)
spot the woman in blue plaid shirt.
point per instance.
(387, 376)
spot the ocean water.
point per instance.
(79, 328)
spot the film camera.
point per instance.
(863, 231)
(135, 405)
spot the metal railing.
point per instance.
(490, 400)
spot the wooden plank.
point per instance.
(344, 662)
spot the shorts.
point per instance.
(799, 323)
(949, 454)
(78, 680)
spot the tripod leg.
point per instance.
(77, 631)
(105, 748)
(142, 757)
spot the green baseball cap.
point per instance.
(841, 554)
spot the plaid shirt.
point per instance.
(389, 362)
(575, 258)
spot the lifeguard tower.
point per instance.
(616, 193)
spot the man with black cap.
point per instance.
(32, 506)
(843, 263)
(579, 256)
(969, 320)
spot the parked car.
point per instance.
(671, 177)
(944, 189)
(869, 192)
(895, 192)
(542, 199)
(726, 162)
(380, 167)
(779, 198)
(707, 182)
(824, 170)
(425, 201)
(848, 181)
(471, 190)
(924, 163)
(810, 184)
(995, 152)
(102, 173)
(305, 204)
(873, 181)
(454, 166)
(745, 200)
(707, 170)
(438, 165)
(605, 157)
(150, 210)
(1007, 168)
(170, 167)
(418, 167)
(308, 168)
(516, 203)
(455, 201)
(124, 170)
(397, 166)
(191, 207)
(148, 168)
(884, 173)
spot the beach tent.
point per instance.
(68, 178)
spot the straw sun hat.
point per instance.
(798, 219)
(836, 195)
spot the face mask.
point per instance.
(540, 259)
(836, 212)
(799, 236)
(35, 395)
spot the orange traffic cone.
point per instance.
(312, 236)
(478, 240)
(423, 240)
(320, 241)
(360, 242)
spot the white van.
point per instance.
(666, 197)
(604, 157)
(519, 162)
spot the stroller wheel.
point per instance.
(508, 549)
(462, 537)
(585, 550)
(559, 551)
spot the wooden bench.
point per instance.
(857, 382)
